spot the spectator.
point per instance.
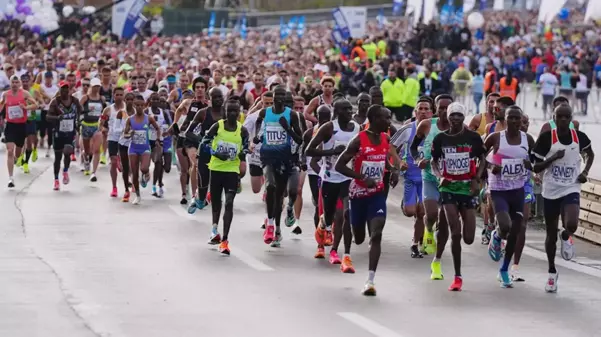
(429, 85)
(392, 89)
(477, 89)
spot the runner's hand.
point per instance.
(394, 179)
(559, 154)
(404, 166)
(582, 177)
(369, 182)
(475, 187)
(444, 182)
(304, 167)
(339, 149)
(221, 155)
(422, 164)
(495, 169)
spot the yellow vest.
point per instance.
(393, 92)
(229, 142)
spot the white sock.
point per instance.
(371, 276)
(270, 222)
(436, 259)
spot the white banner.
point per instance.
(468, 5)
(126, 18)
(593, 10)
(356, 20)
(549, 9)
(499, 5)
(430, 10)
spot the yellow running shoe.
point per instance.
(19, 162)
(436, 271)
(429, 242)
(34, 155)
(103, 159)
(25, 168)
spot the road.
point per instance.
(78, 263)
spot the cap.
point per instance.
(14, 78)
(126, 67)
(456, 108)
(48, 74)
(163, 84)
(63, 84)
(95, 82)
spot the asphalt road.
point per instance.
(78, 263)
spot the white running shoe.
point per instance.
(567, 248)
(551, 286)
(161, 192)
(137, 200)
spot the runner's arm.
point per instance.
(53, 113)
(174, 128)
(306, 139)
(586, 148)
(127, 131)
(475, 122)
(349, 153)
(539, 153)
(258, 124)
(310, 110)
(207, 140)
(295, 130)
(245, 141)
(420, 134)
(396, 160)
(104, 119)
(323, 135)
(436, 155)
(32, 104)
(198, 119)
(156, 126)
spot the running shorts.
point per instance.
(31, 128)
(554, 207)
(511, 201)
(113, 147)
(60, 140)
(363, 210)
(88, 131)
(335, 189)
(430, 190)
(463, 201)
(15, 133)
(412, 193)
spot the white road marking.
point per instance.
(368, 325)
(537, 254)
(238, 253)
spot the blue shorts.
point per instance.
(510, 201)
(430, 190)
(363, 210)
(167, 143)
(529, 197)
(30, 128)
(88, 131)
(412, 193)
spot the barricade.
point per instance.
(589, 227)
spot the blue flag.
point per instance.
(243, 28)
(482, 5)
(291, 25)
(397, 6)
(459, 16)
(300, 27)
(381, 19)
(283, 28)
(212, 23)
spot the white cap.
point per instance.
(456, 108)
(95, 82)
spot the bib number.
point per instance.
(563, 174)
(95, 109)
(275, 134)
(512, 169)
(457, 164)
(229, 148)
(197, 130)
(139, 137)
(373, 169)
(66, 125)
(15, 112)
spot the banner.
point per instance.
(593, 11)
(127, 18)
(212, 24)
(351, 21)
(222, 31)
(549, 9)
(243, 28)
(300, 27)
(283, 29)
(397, 6)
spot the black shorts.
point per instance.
(188, 144)
(553, 208)
(332, 192)
(31, 128)
(15, 133)
(180, 143)
(255, 170)
(461, 200)
(314, 185)
(60, 140)
(113, 147)
(153, 144)
(223, 182)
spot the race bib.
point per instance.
(275, 134)
(420, 151)
(373, 169)
(139, 137)
(95, 109)
(66, 125)
(457, 164)
(197, 130)
(254, 159)
(230, 148)
(563, 174)
(512, 169)
(15, 112)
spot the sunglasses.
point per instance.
(133, 78)
(85, 84)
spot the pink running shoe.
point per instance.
(269, 234)
(57, 185)
(334, 259)
(114, 192)
(66, 178)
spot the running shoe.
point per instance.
(137, 200)
(194, 205)
(269, 234)
(485, 236)
(347, 265)
(329, 237)
(505, 279)
(184, 201)
(515, 274)
(290, 220)
(436, 271)
(34, 155)
(224, 248)
(551, 286)
(297, 230)
(208, 198)
(214, 238)
(19, 161)
(26, 168)
(429, 242)
(11, 183)
(421, 249)
(57, 185)
(47, 155)
(103, 159)
(73, 158)
(457, 284)
(567, 248)
(144, 180)
(334, 259)
(369, 289)
(320, 235)
(125, 197)
(86, 168)
(154, 191)
(93, 178)
(494, 247)
(114, 193)
(161, 192)
(66, 178)
(320, 254)
(239, 190)
(277, 242)
(264, 224)
(415, 253)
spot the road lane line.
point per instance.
(369, 325)
(238, 253)
(537, 254)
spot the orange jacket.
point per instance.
(510, 89)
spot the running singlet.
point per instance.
(457, 157)
(140, 138)
(107, 94)
(277, 144)
(92, 110)
(115, 126)
(510, 158)
(427, 155)
(66, 125)
(328, 172)
(559, 179)
(35, 115)
(195, 107)
(370, 161)
(14, 113)
(554, 126)
(310, 170)
(161, 121)
(229, 142)
(413, 172)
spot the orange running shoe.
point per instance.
(125, 196)
(321, 253)
(329, 238)
(457, 284)
(320, 235)
(347, 265)
(224, 248)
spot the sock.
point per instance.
(496, 237)
(27, 155)
(436, 259)
(371, 276)
(565, 235)
(66, 169)
(270, 222)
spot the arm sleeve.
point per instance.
(584, 141)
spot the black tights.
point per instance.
(125, 166)
(204, 177)
(57, 161)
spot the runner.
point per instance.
(106, 91)
(333, 137)
(49, 91)
(377, 96)
(137, 129)
(93, 105)
(509, 165)
(299, 108)
(16, 102)
(124, 143)
(111, 126)
(550, 125)
(424, 134)
(228, 141)
(158, 154)
(254, 159)
(412, 203)
(280, 129)
(454, 156)
(327, 97)
(557, 153)
(369, 151)
(200, 123)
(33, 119)
(64, 110)
(480, 121)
